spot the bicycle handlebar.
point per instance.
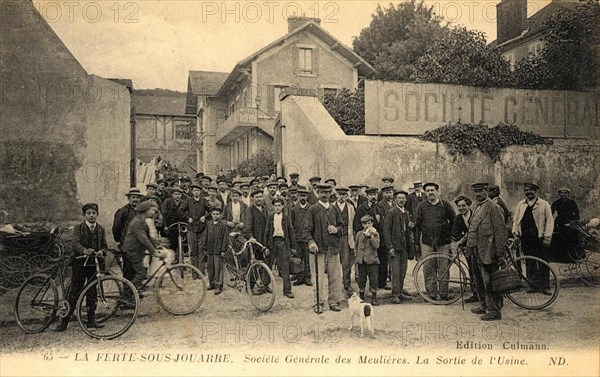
(245, 245)
(183, 225)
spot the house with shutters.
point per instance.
(236, 112)
(519, 35)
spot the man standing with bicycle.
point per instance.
(486, 240)
(534, 225)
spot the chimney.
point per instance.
(294, 22)
(511, 19)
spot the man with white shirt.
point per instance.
(281, 243)
(346, 211)
(234, 211)
(534, 224)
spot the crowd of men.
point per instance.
(336, 231)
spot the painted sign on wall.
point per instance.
(393, 108)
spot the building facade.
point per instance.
(236, 112)
(164, 130)
(519, 35)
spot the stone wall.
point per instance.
(313, 144)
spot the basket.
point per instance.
(506, 281)
(296, 266)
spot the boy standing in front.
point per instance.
(367, 243)
(89, 238)
(216, 241)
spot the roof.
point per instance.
(159, 102)
(206, 83)
(537, 22)
(364, 68)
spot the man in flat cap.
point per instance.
(185, 186)
(313, 198)
(124, 215)
(398, 231)
(371, 208)
(136, 242)
(322, 232)
(386, 204)
(387, 181)
(355, 196)
(347, 212)
(298, 215)
(486, 240)
(565, 242)
(171, 215)
(459, 231)
(434, 221)
(413, 201)
(223, 194)
(534, 224)
(245, 197)
(234, 211)
(294, 179)
(333, 183)
(195, 211)
(494, 194)
(161, 190)
(206, 181)
(272, 187)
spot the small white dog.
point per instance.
(364, 312)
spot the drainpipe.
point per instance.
(132, 164)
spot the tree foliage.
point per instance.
(462, 56)
(397, 37)
(261, 163)
(570, 59)
(347, 108)
(464, 138)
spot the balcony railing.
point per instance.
(238, 123)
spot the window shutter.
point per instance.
(270, 99)
(295, 59)
(315, 61)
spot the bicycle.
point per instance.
(250, 273)
(40, 302)
(454, 272)
(180, 288)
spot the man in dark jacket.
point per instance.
(322, 232)
(281, 241)
(216, 241)
(194, 211)
(370, 208)
(312, 195)
(434, 221)
(136, 243)
(566, 239)
(355, 197)
(386, 204)
(255, 219)
(494, 195)
(89, 238)
(398, 230)
(124, 215)
(486, 238)
(298, 215)
(412, 202)
(171, 215)
(459, 231)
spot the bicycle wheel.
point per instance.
(536, 293)
(112, 293)
(592, 267)
(451, 277)
(231, 275)
(260, 285)
(181, 289)
(15, 271)
(36, 304)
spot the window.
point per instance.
(184, 131)
(274, 104)
(510, 57)
(305, 64)
(536, 47)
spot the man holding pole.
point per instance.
(322, 229)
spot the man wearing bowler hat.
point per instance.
(434, 221)
(533, 224)
(124, 215)
(486, 240)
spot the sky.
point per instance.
(156, 43)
